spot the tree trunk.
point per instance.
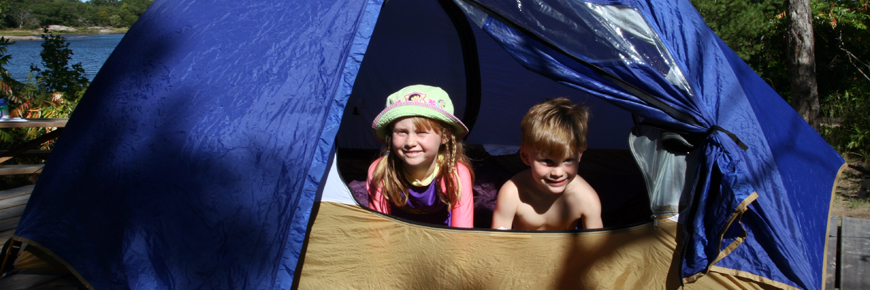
(802, 62)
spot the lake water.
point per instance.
(91, 51)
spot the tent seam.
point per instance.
(750, 276)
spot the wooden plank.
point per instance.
(9, 224)
(855, 254)
(35, 122)
(29, 153)
(27, 189)
(26, 280)
(66, 282)
(5, 236)
(14, 201)
(15, 211)
(20, 169)
(32, 280)
(831, 253)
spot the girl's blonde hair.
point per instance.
(388, 172)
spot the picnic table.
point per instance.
(848, 256)
(28, 147)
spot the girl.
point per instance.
(422, 149)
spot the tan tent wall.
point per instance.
(352, 248)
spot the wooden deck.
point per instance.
(12, 204)
(848, 257)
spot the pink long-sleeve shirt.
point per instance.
(462, 214)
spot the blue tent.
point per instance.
(203, 154)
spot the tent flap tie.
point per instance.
(732, 135)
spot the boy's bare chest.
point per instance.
(546, 216)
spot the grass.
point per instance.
(856, 203)
(846, 201)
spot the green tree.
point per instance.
(73, 12)
(5, 7)
(103, 2)
(740, 24)
(22, 18)
(843, 51)
(755, 30)
(59, 75)
(63, 12)
(842, 44)
(115, 20)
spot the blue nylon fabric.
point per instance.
(540, 58)
(802, 228)
(756, 167)
(785, 233)
(194, 159)
(580, 33)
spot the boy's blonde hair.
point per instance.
(556, 127)
(388, 173)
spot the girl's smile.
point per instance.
(416, 146)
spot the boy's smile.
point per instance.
(550, 173)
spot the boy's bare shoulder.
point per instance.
(520, 180)
(510, 189)
(582, 195)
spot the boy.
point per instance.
(550, 195)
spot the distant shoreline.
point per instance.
(35, 34)
(31, 37)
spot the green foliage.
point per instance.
(29, 14)
(740, 24)
(6, 80)
(842, 52)
(25, 100)
(59, 75)
(755, 30)
(29, 101)
(848, 126)
(5, 5)
(842, 45)
(54, 94)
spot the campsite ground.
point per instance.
(846, 202)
